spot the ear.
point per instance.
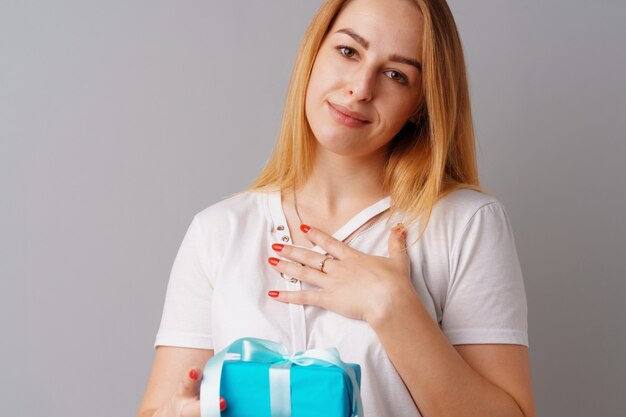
(418, 115)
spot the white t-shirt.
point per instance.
(465, 269)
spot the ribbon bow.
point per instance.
(250, 349)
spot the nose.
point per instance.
(362, 83)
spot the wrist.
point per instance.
(391, 303)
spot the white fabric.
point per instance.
(465, 269)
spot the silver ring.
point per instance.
(323, 262)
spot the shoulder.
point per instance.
(240, 203)
(465, 200)
(460, 206)
(466, 212)
(239, 206)
(224, 221)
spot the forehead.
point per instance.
(383, 24)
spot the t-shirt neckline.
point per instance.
(358, 220)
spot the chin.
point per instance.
(337, 139)
(333, 140)
(342, 146)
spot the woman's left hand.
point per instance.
(352, 283)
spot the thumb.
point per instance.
(190, 388)
(193, 409)
(397, 242)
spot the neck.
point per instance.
(340, 184)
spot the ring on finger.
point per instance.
(323, 262)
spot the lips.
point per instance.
(347, 112)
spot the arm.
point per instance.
(170, 365)
(185, 321)
(485, 304)
(471, 380)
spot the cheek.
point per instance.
(398, 111)
(318, 90)
(312, 90)
(324, 75)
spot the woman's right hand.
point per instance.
(186, 401)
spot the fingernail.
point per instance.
(305, 228)
(273, 261)
(277, 247)
(193, 374)
(222, 404)
(273, 294)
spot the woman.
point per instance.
(370, 210)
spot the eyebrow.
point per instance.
(393, 57)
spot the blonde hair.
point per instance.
(425, 160)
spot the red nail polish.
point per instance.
(273, 294)
(222, 404)
(273, 261)
(305, 228)
(193, 374)
(277, 247)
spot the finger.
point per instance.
(190, 385)
(331, 245)
(315, 298)
(303, 273)
(301, 255)
(330, 267)
(192, 408)
(397, 242)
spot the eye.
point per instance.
(398, 76)
(346, 51)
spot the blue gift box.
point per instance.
(264, 381)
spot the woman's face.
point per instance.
(367, 64)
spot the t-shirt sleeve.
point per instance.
(486, 299)
(186, 319)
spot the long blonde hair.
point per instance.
(425, 160)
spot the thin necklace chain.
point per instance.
(369, 226)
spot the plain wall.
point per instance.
(119, 120)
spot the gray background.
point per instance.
(119, 120)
